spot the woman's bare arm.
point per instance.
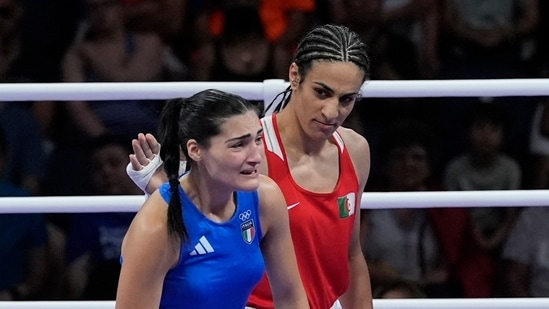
(148, 254)
(278, 248)
(359, 293)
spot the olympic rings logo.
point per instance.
(245, 215)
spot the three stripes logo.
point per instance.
(202, 247)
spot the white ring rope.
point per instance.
(266, 90)
(370, 200)
(439, 303)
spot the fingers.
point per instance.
(136, 166)
(152, 143)
(140, 153)
(144, 148)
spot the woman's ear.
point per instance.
(293, 75)
(193, 149)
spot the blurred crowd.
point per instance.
(418, 144)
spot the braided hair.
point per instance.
(329, 42)
(200, 118)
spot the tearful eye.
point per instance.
(321, 93)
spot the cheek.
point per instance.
(221, 163)
(345, 111)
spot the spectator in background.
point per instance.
(401, 244)
(243, 52)
(539, 133)
(469, 264)
(46, 30)
(418, 22)
(284, 23)
(10, 13)
(467, 268)
(94, 239)
(165, 17)
(484, 166)
(409, 153)
(25, 161)
(364, 16)
(103, 51)
(539, 146)
(488, 39)
(526, 255)
(541, 59)
(400, 289)
(392, 28)
(23, 245)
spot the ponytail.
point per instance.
(169, 133)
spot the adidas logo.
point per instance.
(202, 247)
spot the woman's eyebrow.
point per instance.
(327, 88)
(242, 137)
(238, 138)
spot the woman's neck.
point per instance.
(215, 203)
(294, 136)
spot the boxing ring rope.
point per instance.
(479, 303)
(266, 91)
(370, 200)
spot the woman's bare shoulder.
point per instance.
(354, 141)
(151, 219)
(359, 150)
(270, 194)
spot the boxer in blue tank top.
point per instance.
(204, 240)
(221, 262)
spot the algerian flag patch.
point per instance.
(346, 205)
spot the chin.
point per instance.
(249, 185)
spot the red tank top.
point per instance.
(321, 225)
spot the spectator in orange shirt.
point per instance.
(276, 17)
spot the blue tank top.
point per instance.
(220, 263)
